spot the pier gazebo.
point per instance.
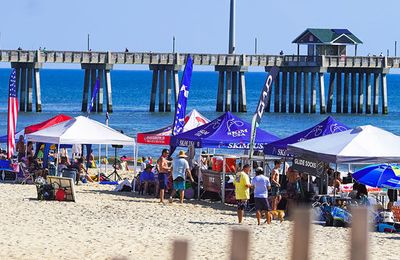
(332, 42)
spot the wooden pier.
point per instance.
(360, 82)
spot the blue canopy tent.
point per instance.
(326, 127)
(227, 132)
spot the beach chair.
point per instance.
(8, 173)
(70, 173)
(26, 175)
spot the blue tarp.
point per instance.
(227, 131)
(326, 127)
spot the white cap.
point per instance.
(259, 169)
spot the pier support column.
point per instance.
(38, 96)
(346, 93)
(291, 91)
(384, 94)
(231, 94)
(313, 93)
(277, 93)
(322, 108)
(368, 84)
(353, 92)
(234, 91)
(108, 90)
(176, 84)
(298, 92)
(228, 91)
(92, 73)
(161, 82)
(242, 93)
(376, 93)
(85, 95)
(339, 92)
(101, 91)
(284, 91)
(360, 93)
(220, 93)
(169, 92)
(161, 93)
(93, 78)
(330, 92)
(306, 95)
(22, 93)
(29, 95)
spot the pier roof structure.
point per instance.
(327, 36)
(327, 41)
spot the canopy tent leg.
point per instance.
(99, 166)
(199, 175)
(223, 180)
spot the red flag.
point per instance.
(12, 113)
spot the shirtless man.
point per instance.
(163, 170)
(275, 185)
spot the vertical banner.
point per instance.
(180, 110)
(261, 106)
(12, 113)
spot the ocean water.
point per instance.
(62, 93)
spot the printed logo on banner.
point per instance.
(238, 132)
(335, 128)
(245, 146)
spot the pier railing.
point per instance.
(151, 58)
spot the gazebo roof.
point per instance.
(327, 37)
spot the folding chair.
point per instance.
(6, 170)
(26, 175)
(70, 173)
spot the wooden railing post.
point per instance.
(240, 244)
(359, 234)
(180, 250)
(301, 234)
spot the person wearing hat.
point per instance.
(146, 178)
(180, 169)
(261, 185)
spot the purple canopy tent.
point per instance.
(226, 132)
(326, 127)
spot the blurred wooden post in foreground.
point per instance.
(240, 244)
(359, 234)
(180, 251)
(301, 234)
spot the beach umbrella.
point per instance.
(379, 175)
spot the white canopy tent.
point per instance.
(361, 145)
(81, 130)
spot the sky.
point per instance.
(199, 26)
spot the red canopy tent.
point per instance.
(162, 136)
(52, 121)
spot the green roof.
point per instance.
(327, 36)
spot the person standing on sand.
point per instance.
(163, 170)
(261, 185)
(242, 190)
(180, 169)
(275, 185)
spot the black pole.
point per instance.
(88, 42)
(395, 48)
(173, 44)
(255, 45)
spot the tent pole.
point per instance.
(58, 156)
(135, 156)
(223, 179)
(199, 175)
(99, 166)
(106, 163)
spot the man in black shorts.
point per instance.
(261, 185)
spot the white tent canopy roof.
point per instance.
(80, 130)
(364, 144)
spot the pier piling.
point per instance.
(284, 91)
(306, 94)
(360, 92)
(376, 93)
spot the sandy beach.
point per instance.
(104, 224)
